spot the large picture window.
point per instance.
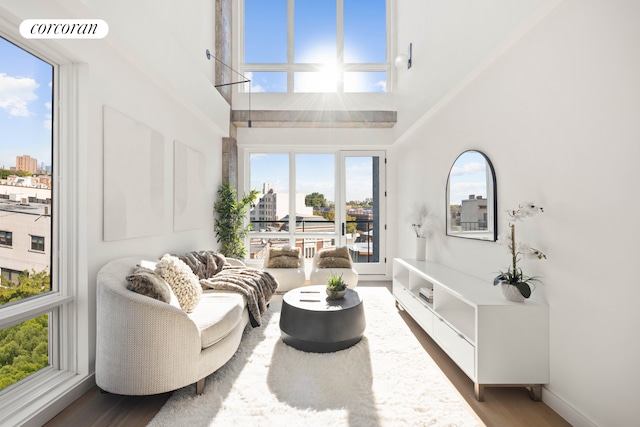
(308, 46)
(319, 200)
(27, 85)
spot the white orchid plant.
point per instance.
(422, 221)
(514, 274)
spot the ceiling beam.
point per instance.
(314, 119)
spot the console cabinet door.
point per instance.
(457, 347)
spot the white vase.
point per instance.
(511, 293)
(421, 248)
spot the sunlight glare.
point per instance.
(324, 80)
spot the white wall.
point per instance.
(557, 114)
(152, 68)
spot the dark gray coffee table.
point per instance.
(310, 322)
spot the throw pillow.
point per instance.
(342, 252)
(334, 262)
(147, 282)
(282, 262)
(280, 252)
(184, 283)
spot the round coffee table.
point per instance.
(311, 322)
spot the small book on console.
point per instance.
(426, 294)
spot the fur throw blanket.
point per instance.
(215, 273)
(205, 264)
(256, 285)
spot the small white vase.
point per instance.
(511, 293)
(421, 248)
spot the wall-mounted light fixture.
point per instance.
(244, 80)
(404, 60)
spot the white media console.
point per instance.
(494, 341)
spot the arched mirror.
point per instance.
(471, 198)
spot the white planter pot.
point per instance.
(511, 293)
(421, 248)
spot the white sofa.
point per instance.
(321, 269)
(145, 346)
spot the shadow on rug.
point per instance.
(387, 379)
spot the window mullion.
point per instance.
(340, 43)
(292, 196)
(290, 44)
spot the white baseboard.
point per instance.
(42, 410)
(565, 410)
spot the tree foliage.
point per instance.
(316, 200)
(24, 348)
(331, 216)
(28, 286)
(5, 173)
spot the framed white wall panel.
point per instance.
(133, 178)
(188, 188)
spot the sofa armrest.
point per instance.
(143, 346)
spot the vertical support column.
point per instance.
(230, 161)
(223, 51)
(223, 46)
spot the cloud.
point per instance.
(256, 88)
(381, 86)
(468, 168)
(47, 122)
(16, 93)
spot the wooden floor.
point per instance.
(502, 406)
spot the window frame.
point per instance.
(291, 68)
(292, 235)
(42, 394)
(3, 238)
(37, 241)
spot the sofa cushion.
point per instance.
(147, 282)
(184, 283)
(217, 314)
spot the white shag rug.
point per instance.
(387, 379)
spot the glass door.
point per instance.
(363, 209)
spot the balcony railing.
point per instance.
(362, 248)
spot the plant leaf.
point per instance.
(524, 289)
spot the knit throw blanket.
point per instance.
(215, 273)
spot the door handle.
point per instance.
(343, 228)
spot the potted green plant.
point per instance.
(516, 286)
(229, 222)
(336, 287)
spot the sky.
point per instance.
(315, 42)
(468, 176)
(314, 173)
(25, 106)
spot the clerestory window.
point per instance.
(312, 46)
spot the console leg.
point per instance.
(536, 392)
(479, 392)
(200, 386)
